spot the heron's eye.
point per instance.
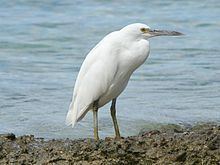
(144, 30)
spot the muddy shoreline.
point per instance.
(171, 144)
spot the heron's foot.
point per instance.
(96, 138)
(118, 137)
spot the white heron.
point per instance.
(106, 71)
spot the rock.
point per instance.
(172, 128)
(181, 157)
(168, 145)
(214, 143)
(9, 136)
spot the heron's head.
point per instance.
(139, 30)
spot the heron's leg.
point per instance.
(95, 120)
(113, 114)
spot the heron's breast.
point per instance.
(134, 56)
(116, 88)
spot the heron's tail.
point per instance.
(71, 117)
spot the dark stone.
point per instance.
(181, 156)
(214, 143)
(9, 136)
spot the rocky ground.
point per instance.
(169, 145)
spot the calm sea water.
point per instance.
(43, 43)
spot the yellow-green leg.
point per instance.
(95, 120)
(113, 114)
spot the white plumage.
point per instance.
(107, 68)
(105, 72)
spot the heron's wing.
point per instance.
(95, 77)
(90, 88)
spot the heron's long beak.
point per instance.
(164, 33)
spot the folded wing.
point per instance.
(94, 79)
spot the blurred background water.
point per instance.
(43, 43)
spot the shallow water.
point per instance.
(42, 45)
